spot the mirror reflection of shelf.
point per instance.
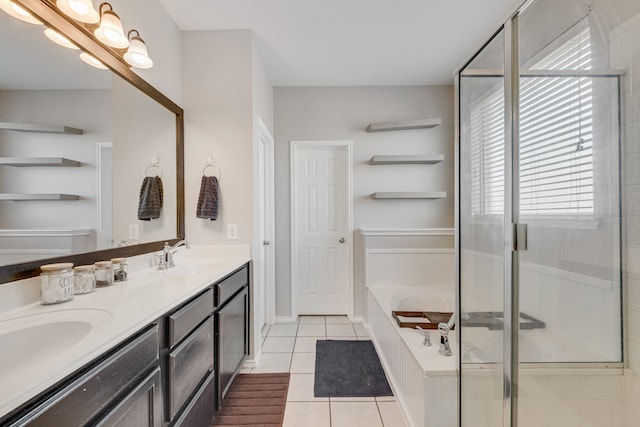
(21, 197)
(404, 125)
(38, 161)
(409, 195)
(406, 160)
(31, 127)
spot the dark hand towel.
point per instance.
(208, 199)
(150, 202)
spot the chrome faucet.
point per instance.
(166, 257)
(427, 336)
(444, 329)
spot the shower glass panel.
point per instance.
(549, 118)
(569, 192)
(481, 234)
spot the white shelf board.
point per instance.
(19, 197)
(31, 127)
(38, 161)
(409, 195)
(406, 160)
(404, 125)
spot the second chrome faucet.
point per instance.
(166, 256)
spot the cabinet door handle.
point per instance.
(341, 240)
(266, 242)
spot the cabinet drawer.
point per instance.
(232, 284)
(182, 321)
(93, 392)
(201, 410)
(189, 363)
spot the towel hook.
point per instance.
(155, 163)
(212, 164)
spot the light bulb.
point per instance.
(18, 12)
(91, 60)
(58, 38)
(80, 10)
(79, 7)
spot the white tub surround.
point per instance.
(423, 380)
(416, 277)
(111, 315)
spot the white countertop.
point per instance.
(104, 318)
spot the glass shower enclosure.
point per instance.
(540, 211)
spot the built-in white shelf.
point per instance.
(19, 197)
(32, 127)
(406, 160)
(38, 161)
(409, 195)
(404, 125)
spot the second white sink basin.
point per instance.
(190, 267)
(32, 339)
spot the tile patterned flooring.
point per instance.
(290, 347)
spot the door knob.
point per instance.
(341, 240)
(266, 242)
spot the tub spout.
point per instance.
(427, 337)
(444, 329)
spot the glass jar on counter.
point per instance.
(84, 279)
(120, 269)
(104, 273)
(56, 283)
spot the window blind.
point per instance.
(556, 139)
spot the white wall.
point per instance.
(342, 113)
(163, 39)
(217, 93)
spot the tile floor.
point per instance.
(290, 347)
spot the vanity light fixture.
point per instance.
(110, 31)
(18, 12)
(91, 60)
(59, 39)
(80, 10)
(137, 55)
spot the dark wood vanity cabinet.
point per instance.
(189, 363)
(122, 388)
(232, 328)
(173, 372)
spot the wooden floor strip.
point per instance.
(254, 400)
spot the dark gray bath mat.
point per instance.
(349, 369)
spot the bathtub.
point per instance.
(423, 381)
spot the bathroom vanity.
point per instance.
(163, 350)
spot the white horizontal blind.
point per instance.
(556, 143)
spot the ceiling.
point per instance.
(353, 42)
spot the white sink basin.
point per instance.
(190, 267)
(31, 339)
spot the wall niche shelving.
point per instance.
(406, 159)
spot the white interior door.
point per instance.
(321, 247)
(265, 265)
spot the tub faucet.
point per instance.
(166, 257)
(427, 337)
(444, 329)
